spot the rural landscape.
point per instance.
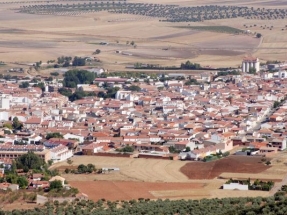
(210, 36)
(143, 107)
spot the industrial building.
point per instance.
(250, 62)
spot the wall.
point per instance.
(235, 186)
(112, 155)
(153, 157)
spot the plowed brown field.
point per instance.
(233, 164)
(127, 190)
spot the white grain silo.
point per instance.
(250, 62)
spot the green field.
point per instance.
(219, 29)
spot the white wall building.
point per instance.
(74, 136)
(5, 103)
(60, 153)
(126, 95)
(250, 62)
(4, 115)
(235, 186)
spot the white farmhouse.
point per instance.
(235, 186)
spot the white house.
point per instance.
(34, 139)
(126, 95)
(4, 115)
(74, 136)
(58, 178)
(5, 103)
(235, 186)
(60, 153)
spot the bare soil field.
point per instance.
(170, 174)
(27, 38)
(133, 190)
(20, 205)
(231, 164)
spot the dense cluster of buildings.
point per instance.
(163, 119)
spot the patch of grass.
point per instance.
(219, 29)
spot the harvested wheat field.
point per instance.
(131, 169)
(127, 190)
(26, 38)
(232, 164)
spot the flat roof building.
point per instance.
(14, 151)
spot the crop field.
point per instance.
(128, 190)
(231, 164)
(220, 29)
(39, 31)
(167, 13)
(153, 178)
(130, 169)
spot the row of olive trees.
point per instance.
(276, 205)
(170, 13)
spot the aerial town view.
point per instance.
(142, 107)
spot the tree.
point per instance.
(74, 77)
(17, 125)
(78, 61)
(38, 64)
(111, 92)
(252, 70)
(69, 161)
(8, 125)
(276, 104)
(191, 82)
(258, 35)
(63, 59)
(172, 149)
(41, 85)
(82, 168)
(189, 65)
(30, 160)
(54, 73)
(65, 91)
(77, 95)
(11, 178)
(66, 64)
(126, 149)
(49, 79)
(134, 88)
(91, 168)
(268, 163)
(50, 162)
(187, 149)
(22, 182)
(98, 51)
(24, 84)
(56, 185)
(54, 135)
